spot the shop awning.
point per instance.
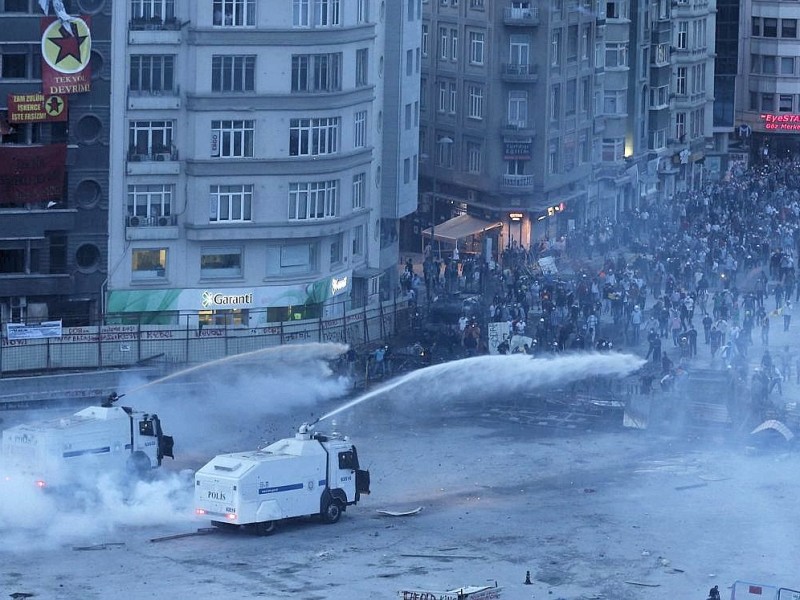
(460, 227)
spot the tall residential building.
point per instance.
(768, 100)
(54, 145)
(508, 113)
(263, 154)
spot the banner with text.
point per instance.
(36, 108)
(65, 56)
(32, 173)
(45, 329)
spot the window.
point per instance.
(442, 96)
(453, 97)
(234, 13)
(474, 157)
(362, 61)
(416, 113)
(149, 201)
(768, 64)
(659, 97)
(476, 47)
(555, 48)
(789, 28)
(770, 27)
(518, 108)
(148, 9)
(301, 13)
(232, 139)
(614, 102)
(336, 250)
(410, 6)
(358, 240)
(406, 170)
(519, 50)
(408, 116)
(233, 73)
(584, 148)
(423, 93)
(658, 139)
(682, 35)
(443, 43)
(313, 200)
(327, 13)
(221, 262)
(662, 55)
(617, 9)
(785, 103)
(767, 101)
(317, 72)
(424, 39)
(555, 102)
(454, 44)
(572, 44)
(362, 11)
(586, 95)
(444, 151)
(230, 203)
(151, 73)
(552, 158)
(295, 259)
(756, 27)
(359, 190)
(475, 108)
(680, 126)
(680, 81)
(586, 41)
(414, 167)
(149, 138)
(417, 60)
(613, 149)
(787, 65)
(360, 129)
(571, 97)
(148, 263)
(616, 55)
(13, 62)
(313, 137)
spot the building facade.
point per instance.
(249, 170)
(768, 101)
(54, 159)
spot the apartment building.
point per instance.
(263, 155)
(768, 101)
(54, 145)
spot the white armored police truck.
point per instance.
(93, 440)
(309, 474)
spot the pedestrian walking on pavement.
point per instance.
(787, 315)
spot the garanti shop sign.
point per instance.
(66, 52)
(211, 300)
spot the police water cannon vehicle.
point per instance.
(311, 474)
(93, 440)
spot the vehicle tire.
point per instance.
(265, 528)
(139, 464)
(332, 512)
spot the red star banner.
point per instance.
(36, 107)
(66, 52)
(32, 173)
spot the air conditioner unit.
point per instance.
(163, 221)
(133, 221)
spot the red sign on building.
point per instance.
(32, 173)
(35, 108)
(66, 52)
(780, 122)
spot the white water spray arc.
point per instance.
(502, 374)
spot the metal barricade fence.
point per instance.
(126, 344)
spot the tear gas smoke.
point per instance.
(502, 374)
(219, 406)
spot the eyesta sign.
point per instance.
(780, 121)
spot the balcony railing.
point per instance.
(154, 24)
(158, 154)
(517, 181)
(162, 221)
(519, 72)
(521, 16)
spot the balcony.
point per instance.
(154, 31)
(518, 127)
(514, 73)
(154, 99)
(517, 183)
(521, 17)
(164, 227)
(161, 160)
